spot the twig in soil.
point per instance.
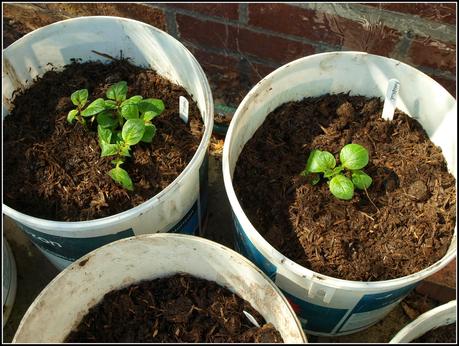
(324, 130)
(365, 214)
(372, 142)
(104, 55)
(339, 222)
(407, 194)
(374, 205)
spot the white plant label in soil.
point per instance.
(390, 100)
(183, 109)
(251, 319)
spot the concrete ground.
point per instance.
(35, 271)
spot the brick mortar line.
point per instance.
(234, 54)
(401, 49)
(258, 30)
(270, 63)
(402, 22)
(244, 13)
(171, 22)
(321, 46)
(437, 73)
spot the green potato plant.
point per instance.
(121, 123)
(342, 179)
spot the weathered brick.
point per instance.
(322, 27)
(445, 276)
(214, 63)
(224, 10)
(440, 286)
(20, 19)
(438, 12)
(426, 52)
(240, 40)
(442, 294)
(273, 48)
(284, 18)
(142, 12)
(259, 71)
(206, 33)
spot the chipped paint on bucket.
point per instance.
(326, 305)
(181, 206)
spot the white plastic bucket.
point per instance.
(326, 305)
(122, 263)
(9, 281)
(181, 206)
(442, 315)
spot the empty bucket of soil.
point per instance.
(344, 263)
(161, 288)
(435, 326)
(68, 195)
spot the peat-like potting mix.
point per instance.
(178, 308)
(53, 169)
(400, 224)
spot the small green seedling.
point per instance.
(121, 123)
(344, 178)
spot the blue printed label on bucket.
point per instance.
(245, 247)
(371, 308)
(326, 320)
(314, 317)
(194, 220)
(223, 109)
(71, 249)
(189, 224)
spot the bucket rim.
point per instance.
(444, 308)
(75, 226)
(75, 266)
(272, 254)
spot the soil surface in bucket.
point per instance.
(444, 334)
(53, 170)
(404, 224)
(180, 308)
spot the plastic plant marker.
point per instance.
(251, 318)
(390, 100)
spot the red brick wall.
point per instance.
(269, 35)
(252, 39)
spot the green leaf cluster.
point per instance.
(122, 122)
(342, 179)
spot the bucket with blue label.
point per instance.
(182, 206)
(326, 305)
